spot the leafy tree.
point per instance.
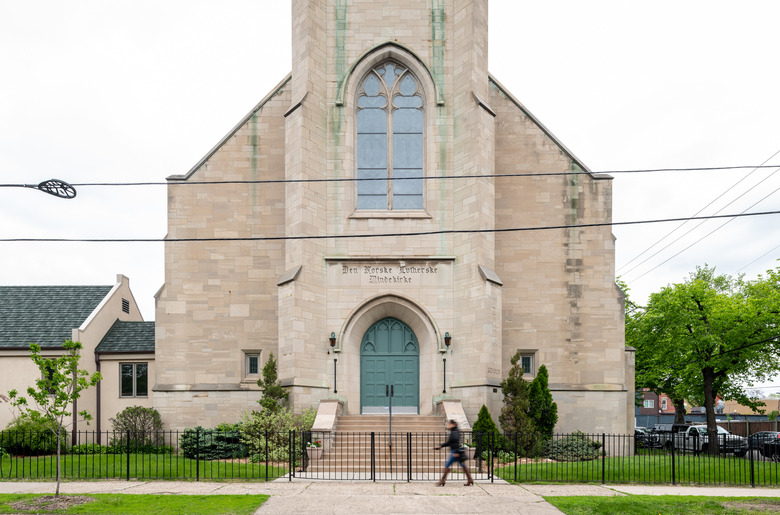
(543, 410)
(61, 383)
(707, 337)
(514, 417)
(274, 396)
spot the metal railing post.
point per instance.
(603, 457)
(289, 455)
(197, 454)
(127, 454)
(373, 458)
(752, 471)
(674, 475)
(408, 457)
(266, 455)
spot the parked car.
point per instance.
(665, 432)
(757, 441)
(646, 439)
(696, 439)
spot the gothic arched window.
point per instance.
(390, 139)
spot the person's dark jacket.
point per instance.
(453, 441)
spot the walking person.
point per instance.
(456, 454)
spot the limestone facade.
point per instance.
(254, 268)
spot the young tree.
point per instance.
(514, 415)
(707, 337)
(61, 383)
(274, 396)
(542, 409)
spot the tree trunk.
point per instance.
(708, 374)
(679, 410)
(59, 439)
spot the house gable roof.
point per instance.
(45, 315)
(128, 337)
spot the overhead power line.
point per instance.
(762, 165)
(380, 235)
(424, 178)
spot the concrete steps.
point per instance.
(413, 439)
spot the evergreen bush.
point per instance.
(31, 435)
(573, 447)
(221, 443)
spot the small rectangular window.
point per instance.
(126, 305)
(649, 403)
(528, 365)
(133, 379)
(663, 404)
(252, 364)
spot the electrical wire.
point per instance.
(424, 178)
(762, 165)
(704, 221)
(380, 235)
(703, 237)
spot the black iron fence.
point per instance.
(198, 454)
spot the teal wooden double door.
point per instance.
(389, 355)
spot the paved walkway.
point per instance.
(302, 497)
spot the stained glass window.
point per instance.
(390, 140)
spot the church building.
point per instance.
(389, 215)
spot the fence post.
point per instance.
(750, 453)
(197, 454)
(517, 454)
(294, 456)
(674, 475)
(408, 457)
(127, 454)
(491, 454)
(266, 455)
(603, 458)
(373, 458)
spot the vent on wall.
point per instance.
(126, 305)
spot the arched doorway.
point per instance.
(389, 355)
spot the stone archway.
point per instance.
(430, 344)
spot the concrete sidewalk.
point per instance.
(326, 497)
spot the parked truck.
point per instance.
(696, 439)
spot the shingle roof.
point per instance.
(45, 315)
(128, 337)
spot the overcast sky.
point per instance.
(122, 91)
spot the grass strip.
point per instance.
(140, 504)
(664, 505)
(140, 466)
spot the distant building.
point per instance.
(107, 322)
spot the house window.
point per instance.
(649, 403)
(48, 376)
(390, 140)
(134, 379)
(528, 364)
(252, 364)
(663, 404)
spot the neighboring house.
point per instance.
(50, 315)
(735, 408)
(654, 404)
(381, 248)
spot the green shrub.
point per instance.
(256, 425)
(138, 427)
(573, 447)
(31, 436)
(503, 456)
(93, 448)
(221, 443)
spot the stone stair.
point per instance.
(347, 452)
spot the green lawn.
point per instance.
(142, 466)
(664, 505)
(648, 468)
(147, 504)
